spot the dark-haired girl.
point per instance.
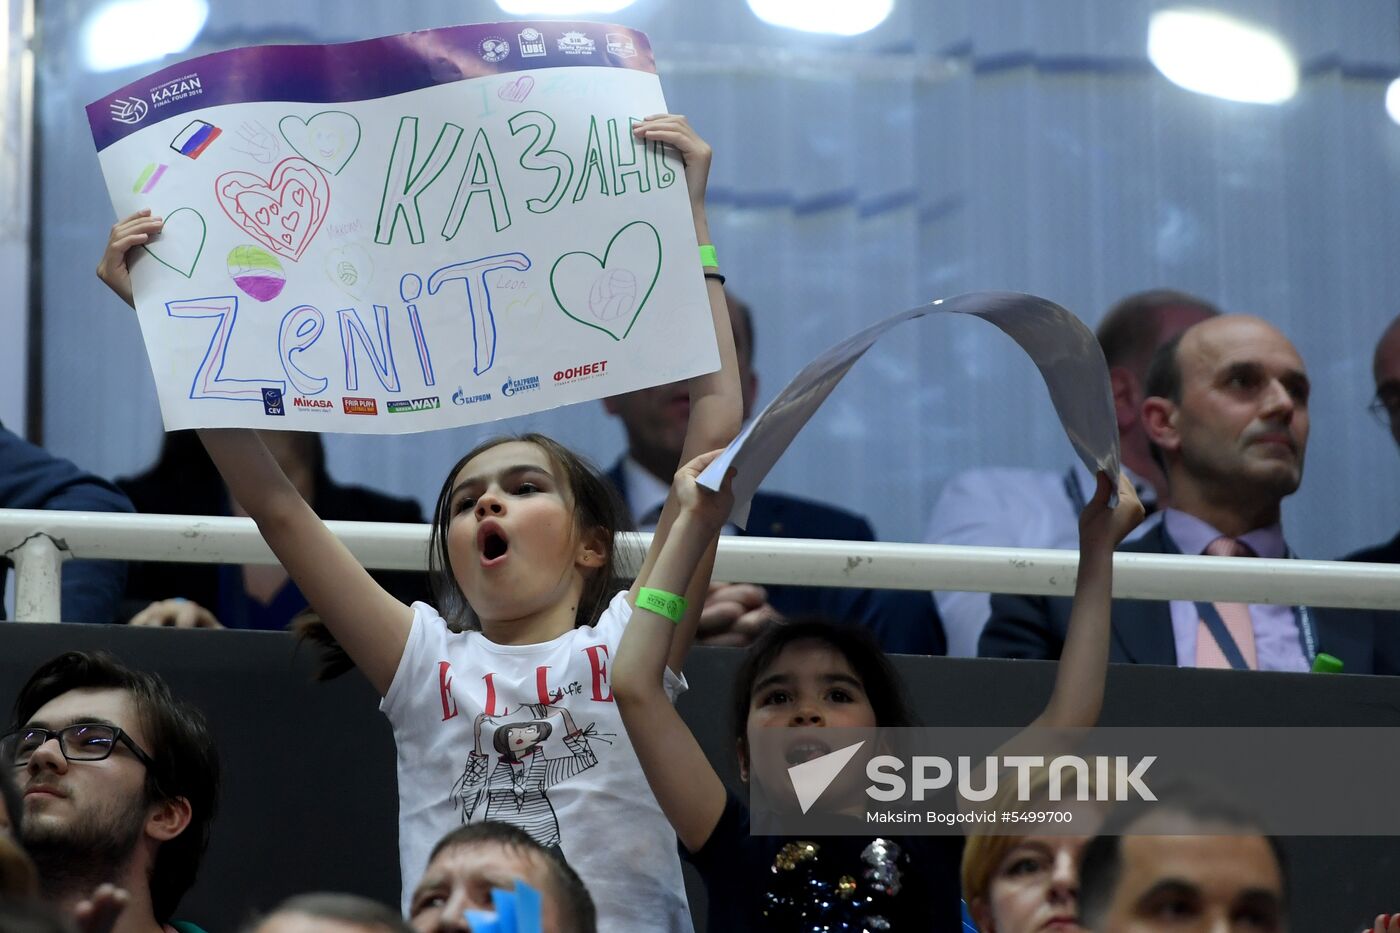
(820, 675)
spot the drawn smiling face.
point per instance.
(328, 142)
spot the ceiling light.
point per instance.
(122, 33)
(836, 17)
(561, 7)
(1392, 100)
(1211, 53)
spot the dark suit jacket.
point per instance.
(1388, 553)
(1035, 627)
(196, 494)
(903, 621)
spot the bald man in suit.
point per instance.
(1227, 413)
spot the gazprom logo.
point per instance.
(129, 110)
(528, 384)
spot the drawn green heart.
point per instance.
(327, 140)
(180, 242)
(608, 294)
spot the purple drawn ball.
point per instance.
(257, 272)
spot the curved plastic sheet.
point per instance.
(1062, 348)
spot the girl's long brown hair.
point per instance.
(596, 507)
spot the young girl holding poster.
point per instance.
(814, 674)
(514, 719)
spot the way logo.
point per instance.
(312, 404)
(359, 406)
(413, 404)
(811, 778)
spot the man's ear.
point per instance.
(1159, 421)
(168, 819)
(1127, 397)
(741, 749)
(593, 549)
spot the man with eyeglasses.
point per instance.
(119, 783)
(1386, 408)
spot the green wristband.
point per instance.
(708, 257)
(1327, 664)
(667, 605)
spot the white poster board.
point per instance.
(421, 231)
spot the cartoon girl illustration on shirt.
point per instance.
(514, 784)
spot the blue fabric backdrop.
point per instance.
(964, 144)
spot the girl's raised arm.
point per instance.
(369, 623)
(682, 779)
(1077, 698)
(716, 402)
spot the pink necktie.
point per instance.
(1234, 615)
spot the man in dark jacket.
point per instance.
(1386, 407)
(33, 478)
(184, 482)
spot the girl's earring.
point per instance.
(593, 556)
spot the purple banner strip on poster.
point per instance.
(362, 70)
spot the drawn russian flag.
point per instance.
(195, 138)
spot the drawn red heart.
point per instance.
(262, 207)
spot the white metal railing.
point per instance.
(38, 542)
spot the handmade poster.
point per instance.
(1063, 349)
(420, 231)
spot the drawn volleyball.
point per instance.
(613, 295)
(256, 272)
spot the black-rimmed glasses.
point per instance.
(82, 741)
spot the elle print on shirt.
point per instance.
(513, 787)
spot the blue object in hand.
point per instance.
(517, 911)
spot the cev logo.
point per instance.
(129, 110)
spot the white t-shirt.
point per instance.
(553, 759)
